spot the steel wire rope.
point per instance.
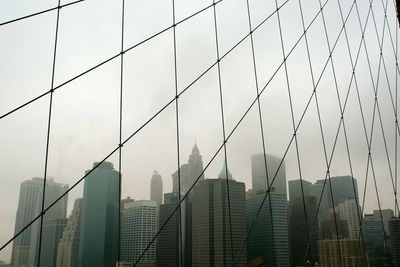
(107, 60)
(180, 240)
(261, 131)
(359, 214)
(369, 143)
(152, 118)
(221, 99)
(40, 12)
(291, 102)
(48, 135)
(308, 103)
(320, 122)
(316, 101)
(396, 121)
(121, 87)
(391, 97)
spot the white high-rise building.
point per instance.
(347, 210)
(25, 249)
(138, 226)
(68, 247)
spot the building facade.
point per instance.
(269, 236)
(156, 188)
(276, 169)
(100, 213)
(68, 246)
(212, 242)
(25, 248)
(138, 227)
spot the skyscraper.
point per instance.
(348, 210)
(68, 246)
(259, 174)
(138, 227)
(212, 243)
(297, 188)
(269, 236)
(374, 240)
(189, 172)
(156, 190)
(168, 240)
(342, 188)
(394, 229)
(100, 210)
(26, 246)
(303, 234)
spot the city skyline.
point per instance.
(137, 84)
(341, 203)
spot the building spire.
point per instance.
(224, 170)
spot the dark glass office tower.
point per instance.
(99, 229)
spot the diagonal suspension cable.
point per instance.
(223, 127)
(48, 134)
(58, 7)
(121, 87)
(274, 260)
(156, 115)
(107, 60)
(177, 136)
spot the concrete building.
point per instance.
(25, 248)
(68, 246)
(348, 210)
(343, 188)
(167, 252)
(296, 187)
(156, 188)
(211, 234)
(350, 252)
(394, 230)
(259, 165)
(302, 235)
(99, 228)
(374, 240)
(269, 236)
(138, 227)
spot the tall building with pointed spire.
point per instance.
(189, 172)
(156, 189)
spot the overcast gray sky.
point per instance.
(85, 121)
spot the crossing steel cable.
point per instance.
(310, 232)
(121, 87)
(290, 98)
(369, 143)
(177, 135)
(48, 134)
(223, 128)
(348, 91)
(40, 12)
(391, 97)
(359, 214)
(396, 121)
(261, 131)
(301, 118)
(140, 128)
(107, 60)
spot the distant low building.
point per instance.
(350, 254)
